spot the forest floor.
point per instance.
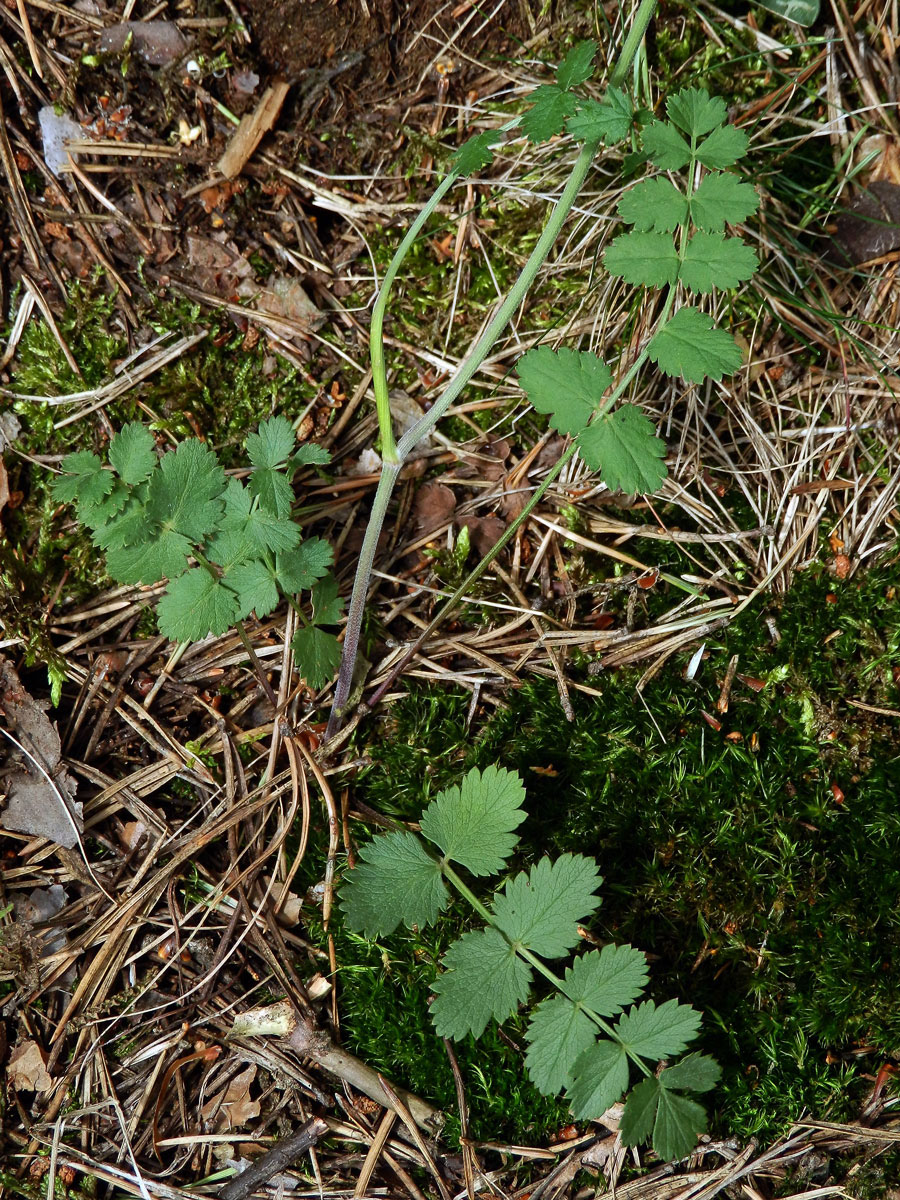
(701, 689)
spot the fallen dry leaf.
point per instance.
(4, 486)
(489, 462)
(284, 298)
(237, 1109)
(157, 42)
(870, 224)
(40, 791)
(433, 507)
(484, 531)
(27, 1069)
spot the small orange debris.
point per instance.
(841, 566)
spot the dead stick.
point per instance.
(282, 1155)
(314, 1043)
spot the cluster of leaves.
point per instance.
(573, 1043)
(153, 514)
(677, 239)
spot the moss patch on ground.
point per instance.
(756, 864)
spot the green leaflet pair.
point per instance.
(586, 1036)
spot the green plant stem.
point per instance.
(510, 532)
(633, 39)
(359, 595)
(533, 960)
(426, 423)
(376, 327)
(393, 455)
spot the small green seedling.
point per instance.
(585, 1037)
(153, 515)
(677, 242)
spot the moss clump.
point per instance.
(757, 864)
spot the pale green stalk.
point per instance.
(394, 455)
(376, 327)
(512, 529)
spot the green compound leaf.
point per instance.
(674, 1121)
(309, 454)
(723, 147)
(599, 1077)
(83, 479)
(552, 106)
(328, 607)
(268, 532)
(567, 384)
(96, 516)
(607, 120)
(654, 204)
(623, 447)
(640, 1112)
(238, 505)
(297, 570)
(483, 978)
(257, 590)
(272, 444)
(606, 980)
(695, 1073)
(473, 823)
(713, 260)
(395, 882)
(317, 656)
(132, 452)
(558, 1033)
(263, 529)
(541, 910)
(196, 604)
(127, 527)
(229, 548)
(273, 489)
(658, 1031)
(578, 65)
(163, 555)
(476, 153)
(694, 112)
(722, 200)
(665, 146)
(679, 1122)
(689, 345)
(185, 489)
(643, 258)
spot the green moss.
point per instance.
(765, 897)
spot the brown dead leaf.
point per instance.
(40, 791)
(157, 42)
(27, 1068)
(869, 226)
(489, 462)
(237, 1109)
(484, 531)
(216, 264)
(4, 486)
(433, 507)
(285, 298)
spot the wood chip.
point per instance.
(251, 130)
